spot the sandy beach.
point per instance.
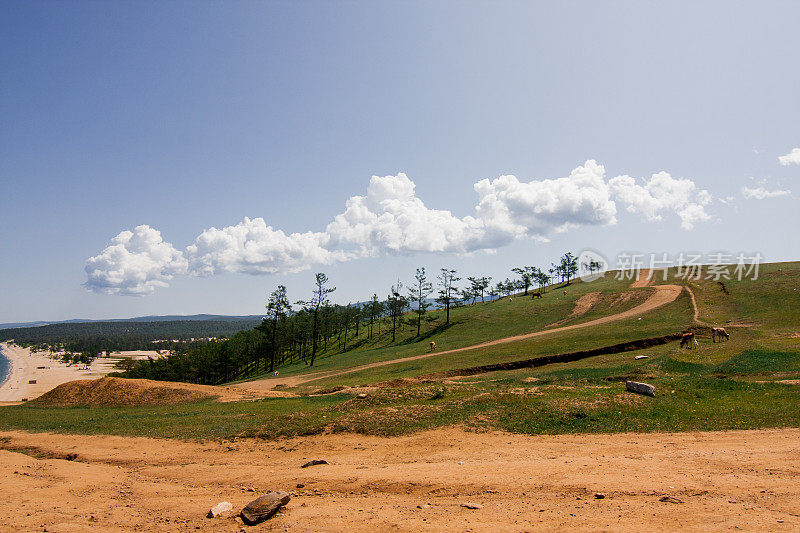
(44, 372)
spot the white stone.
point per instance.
(220, 509)
(640, 388)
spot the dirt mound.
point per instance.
(120, 392)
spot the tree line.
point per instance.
(298, 333)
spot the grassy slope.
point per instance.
(737, 384)
(477, 323)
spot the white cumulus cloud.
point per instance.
(509, 208)
(253, 247)
(134, 263)
(661, 193)
(792, 158)
(391, 219)
(761, 193)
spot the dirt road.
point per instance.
(663, 295)
(716, 481)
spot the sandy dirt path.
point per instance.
(663, 295)
(744, 480)
(695, 308)
(643, 278)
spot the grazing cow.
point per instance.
(719, 333)
(536, 294)
(688, 340)
(433, 346)
(565, 293)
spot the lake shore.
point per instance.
(33, 374)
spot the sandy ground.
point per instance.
(746, 480)
(582, 306)
(25, 367)
(643, 278)
(662, 295)
(139, 355)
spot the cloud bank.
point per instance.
(391, 219)
(663, 193)
(792, 158)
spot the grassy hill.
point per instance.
(481, 322)
(751, 381)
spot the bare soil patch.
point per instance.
(662, 482)
(582, 306)
(644, 278)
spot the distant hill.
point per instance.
(8, 325)
(132, 334)
(152, 318)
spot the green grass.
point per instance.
(760, 362)
(295, 416)
(589, 400)
(671, 320)
(718, 386)
(474, 324)
(772, 302)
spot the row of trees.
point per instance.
(300, 332)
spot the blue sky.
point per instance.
(183, 116)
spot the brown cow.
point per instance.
(565, 293)
(688, 340)
(433, 346)
(719, 333)
(536, 294)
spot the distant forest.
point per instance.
(95, 337)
